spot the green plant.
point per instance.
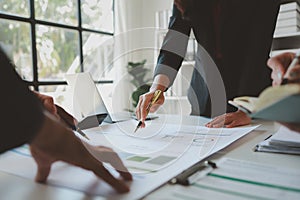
(138, 71)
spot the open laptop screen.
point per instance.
(87, 99)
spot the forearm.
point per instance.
(21, 111)
(160, 82)
(174, 47)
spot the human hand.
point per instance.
(182, 5)
(56, 143)
(56, 110)
(47, 102)
(292, 126)
(144, 101)
(230, 120)
(279, 65)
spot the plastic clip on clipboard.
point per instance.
(194, 173)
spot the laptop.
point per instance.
(88, 101)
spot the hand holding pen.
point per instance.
(285, 68)
(146, 105)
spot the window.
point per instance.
(48, 38)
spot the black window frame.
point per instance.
(35, 83)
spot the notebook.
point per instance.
(283, 141)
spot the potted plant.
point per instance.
(138, 71)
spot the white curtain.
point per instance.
(125, 20)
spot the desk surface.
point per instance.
(13, 187)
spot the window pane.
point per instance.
(97, 54)
(97, 14)
(58, 11)
(58, 52)
(15, 7)
(52, 89)
(15, 40)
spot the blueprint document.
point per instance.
(154, 155)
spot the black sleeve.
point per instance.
(174, 46)
(21, 111)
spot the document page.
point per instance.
(237, 179)
(283, 141)
(153, 155)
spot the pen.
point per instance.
(291, 66)
(154, 99)
(75, 128)
(194, 173)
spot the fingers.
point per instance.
(89, 158)
(146, 99)
(43, 164)
(143, 104)
(181, 5)
(279, 65)
(47, 102)
(42, 173)
(117, 184)
(229, 120)
(217, 122)
(65, 116)
(92, 160)
(281, 61)
(276, 76)
(54, 142)
(106, 154)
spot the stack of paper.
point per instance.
(283, 141)
(288, 20)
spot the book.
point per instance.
(289, 6)
(278, 103)
(289, 29)
(283, 141)
(288, 15)
(288, 22)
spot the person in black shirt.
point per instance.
(25, 119)
(279, 65)
(236, 34)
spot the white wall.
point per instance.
(148, 20)
(139, 33)
(150, 7)
(140, 17)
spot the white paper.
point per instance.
(237, 179)
(285, 135)
(283, 141)
(188, 144)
